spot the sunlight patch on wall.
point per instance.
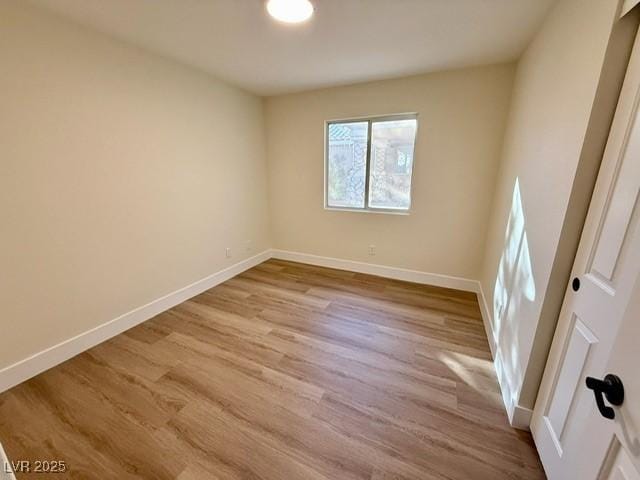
(514, 288)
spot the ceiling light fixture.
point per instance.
(290, 11)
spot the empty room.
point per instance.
(320, 239)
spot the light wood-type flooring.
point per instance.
(285, 372)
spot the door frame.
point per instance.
(614, 71)
(626, 110)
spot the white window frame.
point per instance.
(370, 120)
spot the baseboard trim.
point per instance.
(55, 355)
(487, 320)
(414, 276)
(519, 417)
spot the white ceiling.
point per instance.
(346, 41)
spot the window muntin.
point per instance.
(369, 163)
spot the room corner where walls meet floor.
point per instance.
(46, 359)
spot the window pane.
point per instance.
(391, 163)
(347, 164)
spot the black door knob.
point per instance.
(575, 284)
(612, 389)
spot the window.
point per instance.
(369, 163)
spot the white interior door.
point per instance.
(618, 439)
(573, 437)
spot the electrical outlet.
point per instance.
(228, 252)
(372, 249)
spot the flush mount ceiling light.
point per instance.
(290, 11)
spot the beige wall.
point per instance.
(461, 123)
(123, 177)
(554, 91)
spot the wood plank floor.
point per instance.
(285, 372)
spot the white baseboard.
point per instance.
(46, 359)
(519, 417)
(415, 276)
(29, 367)
(487, 320)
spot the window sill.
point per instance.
(369, 210)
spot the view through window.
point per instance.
(370, 162)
